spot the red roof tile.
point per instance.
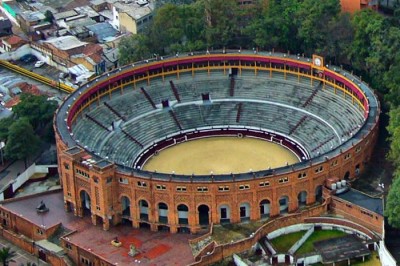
(15, 40)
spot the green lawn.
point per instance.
(319, 235)
(284, 242)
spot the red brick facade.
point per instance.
(108, 187)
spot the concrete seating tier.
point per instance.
(274, 103)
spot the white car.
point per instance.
(39, 63)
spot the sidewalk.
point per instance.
(22, 257)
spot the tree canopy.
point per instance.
(6, 255)
(22, 140)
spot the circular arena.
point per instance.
(320, 121)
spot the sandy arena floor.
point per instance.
(221, 155)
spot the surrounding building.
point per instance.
(5, 27)
(130, 17)
(353, 5)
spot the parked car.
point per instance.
(62, 75)
(28, 58)
(39, 63)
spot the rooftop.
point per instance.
(65, 14)
(133, 10)
(32, 15)
(65, 42)
(103, 30)
(154, 248)
(87, 10)
(26, 207)
(363, 200)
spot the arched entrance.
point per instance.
(347, 175)
(144, 210)
(126, 207)
(204, 218)
(357, 170)
(284, 204)
(162, 213)
(318, 193)
(302, 198)
(244, 211)
(265, 208)
(183, 214)
(224, 214)
(85, 203)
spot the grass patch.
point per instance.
(319, 235)
(284, 242)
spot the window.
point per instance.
(109, 180)
(264, 184)
(244, 187)
(123, 180)
(161, 187)
(223, 188)
(302, 175)
(283, 180)
(85, 261)
(334, 163)
(347, 156)
(39, 231)
(96, 179)
(98, 208)
(66, 166)
(181, 189)
(68, 246)
(141, 184)
(202, 189)
(319, 169)
(358, 149)
(82, 173)
(69, 194)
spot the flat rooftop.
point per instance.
(363, 200)
(154, 248)
(341, 248)
(65, 42)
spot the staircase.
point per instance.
(148, 98)
(114, 111)
(129, 136)
(175, 119)
(175, 91)
(96, 122)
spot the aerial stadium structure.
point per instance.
(107, 130)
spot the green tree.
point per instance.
(312, 20)
(392, 210)
(37, 109)
(7, 255)
(133, 48)
(275, 27)
(49, 16)
(22, 141)
(167, 29)
(5, 125)
(222, 18)
(338, 38)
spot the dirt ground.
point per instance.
(220, 155)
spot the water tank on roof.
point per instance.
(333, 186)
(339, 184)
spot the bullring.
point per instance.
(109, 128)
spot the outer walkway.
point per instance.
(22, 256)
